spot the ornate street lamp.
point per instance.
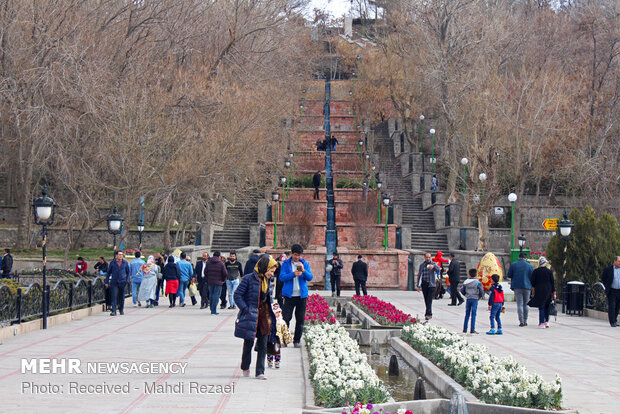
(115, 224)
(44, 210)
(275, 196)
(421, 136)
(512, 197)
(522, 240)
(287, 165)
(386, 202)
(360, 146)
(432, 131)
(565, 228)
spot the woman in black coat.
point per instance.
(543, 289)
(171, 276)
(255, 318)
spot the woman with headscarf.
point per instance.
(543, 289)
(171, 275)
(256, 318)
(149, 273)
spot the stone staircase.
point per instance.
(236, 232)
(423, 233)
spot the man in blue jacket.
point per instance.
(520, 274)
(136, 277)
(295, 274)
(186, 271)
(116, 279)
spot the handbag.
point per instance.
(552, 309)
(193, 290)
(273, 348)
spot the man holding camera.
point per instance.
(335, 273)
(295, 274)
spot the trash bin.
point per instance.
(410, 274)
(514, 254)
(576, 297)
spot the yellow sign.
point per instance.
(551, 224)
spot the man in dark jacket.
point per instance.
(249, 265)
(7, 263)
(216, 276)
(360, 275)
(427, 282)
(335, 273)
(454, 276)
(611, 281)
(201, 280)
(316, 183)
(161, 262)
(116, 279)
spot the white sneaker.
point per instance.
(546, 324)
(261, 377)
(541, 326)
(246, 373)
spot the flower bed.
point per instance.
(492, 379)
(339, 372)
(382, 312)
(360, 408)
(318, 311)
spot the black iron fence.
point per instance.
(64, 295)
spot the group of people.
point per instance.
(322, 145)
(532, 287)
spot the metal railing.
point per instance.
(25, 304)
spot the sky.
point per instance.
(336, 7)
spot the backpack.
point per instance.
(499, 297)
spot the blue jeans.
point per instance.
(543, 314)
(214, 298)
(135, 286)
(231, 285)
(496, 311)
(181, 290)
(117, 296)
(471, 308)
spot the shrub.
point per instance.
(299, 224)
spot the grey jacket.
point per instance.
(472, 289)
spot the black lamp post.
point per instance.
(44, 209)
(522, 240)
(565, 228)
(115, 224)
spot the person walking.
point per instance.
(101, 267)
(277, 281)
(201, 279)
(520, 273)
(160, 261)
(223, 294)
(148, 272)
(251, 263)
(7, 263)
(359, 270)
(454, 277)
(116, 279)
(81, 267)
(136, 277)
(186, 271)
(316, 183)
(543, 291)
(255, 319)
(171, 275)
(496, 303)
(333, 142)
(473, 291)
(216, 277)
(234, 269)
(295, 274)
(335, 274)
(427, 283)
(611, 281)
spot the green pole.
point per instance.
(282, 202)
(379, 212)
(287, 186)
(512, 226)
(421, 136)
(386, 229)
(275, 228)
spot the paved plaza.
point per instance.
(584, 351)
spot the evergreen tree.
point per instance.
(595, 242)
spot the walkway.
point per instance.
(206, 343)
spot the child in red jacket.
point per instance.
(496, 303)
